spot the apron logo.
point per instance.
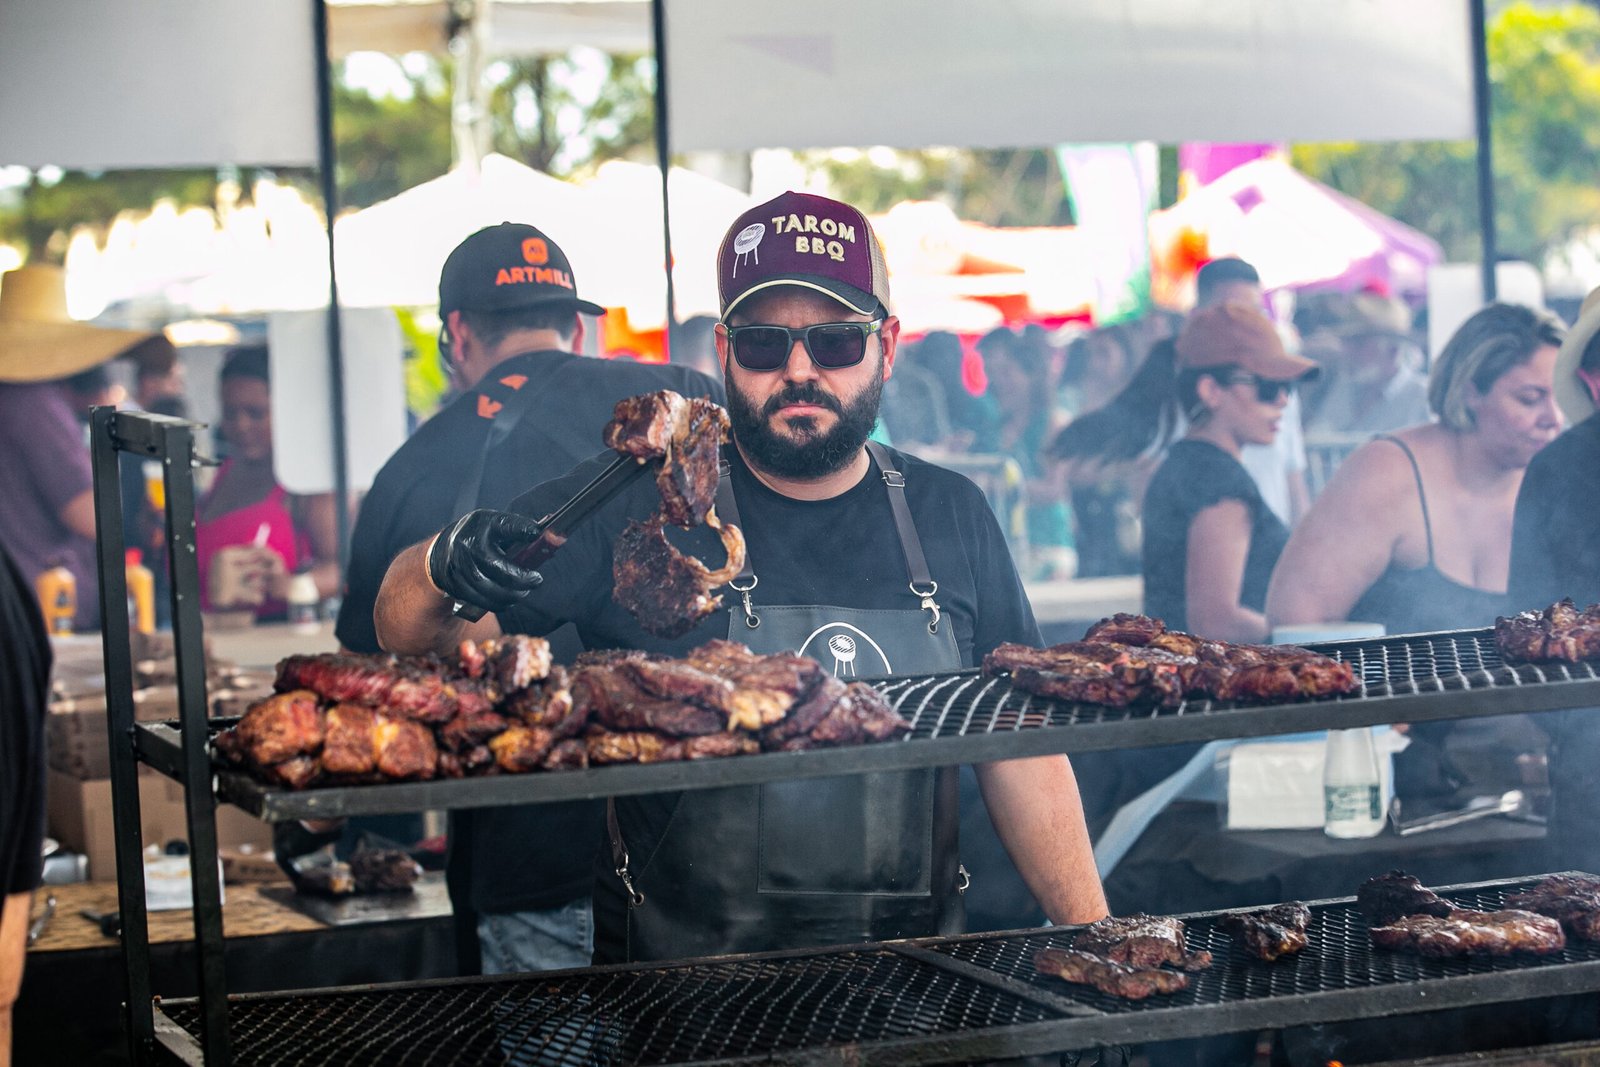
(846, 650)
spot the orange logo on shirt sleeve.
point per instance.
(487, 408)
(515, 381)
(535, 251)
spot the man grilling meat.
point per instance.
(867, 560)
(530, 406)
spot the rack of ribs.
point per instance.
(1117, 979)
(1133, 659)
(1462, 932)
(1143, 941)
(1271, 934)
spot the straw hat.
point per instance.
(1375, 315)
(1571, 393)
(39, 341)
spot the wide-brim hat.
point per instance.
(39, 341)
(1375, 315)
(1572, 393)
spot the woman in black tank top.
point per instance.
(1414, 530)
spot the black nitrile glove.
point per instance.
(471, 559)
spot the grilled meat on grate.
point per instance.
(1395, 895)
(1134, 659)
(1571, 899)
(1463, 932)
(1143, 941)
(1092, 672)
(1271, 934)
(1116, 979)
(421, 688)
(282, 727)
(720, 700)
(1559, 633)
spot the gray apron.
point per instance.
(816, 861)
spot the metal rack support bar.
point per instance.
(125, 814)
(199, 795)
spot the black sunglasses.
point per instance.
(1268, 390)
(831, 345)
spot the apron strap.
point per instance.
(922, 584)
(506, 404)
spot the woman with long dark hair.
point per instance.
(1210, 541)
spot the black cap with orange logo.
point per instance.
(512, 265)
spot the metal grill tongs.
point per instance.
(555, 527)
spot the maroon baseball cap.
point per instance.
(804, 240)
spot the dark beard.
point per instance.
(812, 454)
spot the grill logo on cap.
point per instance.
(748, 242)
(535, 251)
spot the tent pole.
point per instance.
(1480, 108)
(658, 30)
(330, 204)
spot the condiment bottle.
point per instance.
(58, 599)
(141, 593)
(1352, 800)
(303, 600)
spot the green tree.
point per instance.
(384, 145)
(1544, 70)
(567, 114)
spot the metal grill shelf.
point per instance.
(936, 1001)
(963, 717)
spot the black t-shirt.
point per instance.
(24, 685)
(511, 858)
(842, 551)
(1194, 476)
(1555, 539)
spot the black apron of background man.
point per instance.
(815, 861)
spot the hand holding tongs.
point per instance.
(551, 532)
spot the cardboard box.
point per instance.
(79, 814)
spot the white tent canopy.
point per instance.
(391, 252)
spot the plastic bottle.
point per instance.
(303, 600)
(58, 599)
(141, 593)
(1352, 799)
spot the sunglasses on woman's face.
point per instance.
(831, 345)
(1268, 390)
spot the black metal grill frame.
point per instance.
(930, 1001)
(964, 717)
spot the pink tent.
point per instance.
(1297, 232)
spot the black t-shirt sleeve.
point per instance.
(1004, 613)
(363, 577)
(1210, 476)
(24, 684)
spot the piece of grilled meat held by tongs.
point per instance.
(488, 560)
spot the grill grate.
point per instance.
(715, 1011)
(1340, 957)
(1457, 662)
(963, 717)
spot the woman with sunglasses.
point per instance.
(1210, 540)
(1414, 530)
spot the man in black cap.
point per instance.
(530, 408)
(866, 559)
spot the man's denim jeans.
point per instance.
(521, 941)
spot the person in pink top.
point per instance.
(251, 533)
